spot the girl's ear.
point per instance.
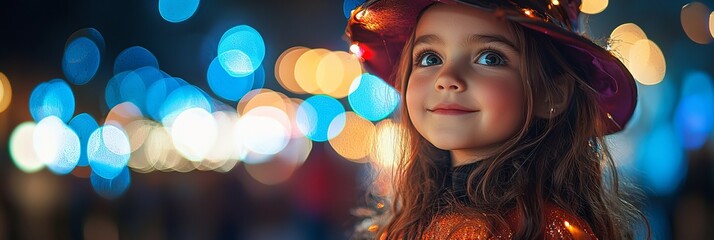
(552, 102)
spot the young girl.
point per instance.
(504, 108)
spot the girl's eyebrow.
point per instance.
(430, 39)
(478, 38)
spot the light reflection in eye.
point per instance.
(490, 59)
(429, 59)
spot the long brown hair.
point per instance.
(561, 160)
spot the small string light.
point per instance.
(528, 12)
(613, 121)
(361, 15)
(356, 50)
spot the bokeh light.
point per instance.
(647, 62)
(336, 72)
(123, 114)
(695, 18)
(112, 92)
(262, 97)
(241, 50)
(291, 108)
(139, 162)
(297, 150)
(306, 70)
(209, 165)
(181, 99)
(137, 131)
(225, 85)
(56, 145)
(642, 56)
(372, 98)
(285, 69)
(223, 149)
(5, 92)
(694, 117)
(108, 151)
(84, 125)
(131, 86)
(22, 149)
(593, 6)
(159, 150)
(177, 10)
(280, 168)
(623, 38)
(227, 166)
(135, 84)
(111, 188)
(356, 140)
(194, 133)
(388, 145)
(158, 91)
(134, 58)
(661, 160)
(91, 34)
(53, 98)
(183, 166)
(264, 130)
(80, 60)
(316, 114)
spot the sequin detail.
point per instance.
(559, 224)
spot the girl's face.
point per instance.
(464, 93)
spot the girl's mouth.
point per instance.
(442, 111)
(450, 109)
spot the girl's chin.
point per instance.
(462, 145)
(448, 145)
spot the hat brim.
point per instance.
(383, 27)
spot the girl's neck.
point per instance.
(463, 157)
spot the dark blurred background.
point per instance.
(656, 150)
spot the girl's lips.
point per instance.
(451, 111)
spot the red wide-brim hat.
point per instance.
(380, 28)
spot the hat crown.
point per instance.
(562, 13)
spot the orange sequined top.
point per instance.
(558, 223)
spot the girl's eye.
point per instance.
(429, 59)
(491, 59)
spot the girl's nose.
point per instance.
(450, 80)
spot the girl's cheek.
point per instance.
(416, 84)
(413, 93)
(501, 95)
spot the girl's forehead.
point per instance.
(454, 20)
